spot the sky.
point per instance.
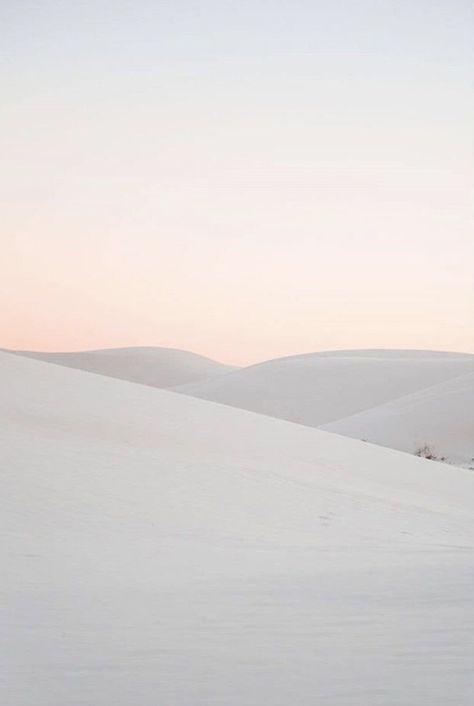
(244, 179)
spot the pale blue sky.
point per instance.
(244, 179)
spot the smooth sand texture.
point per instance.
(158, 367)
(321, 388)
(159, 549)
(437, 421)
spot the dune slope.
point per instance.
(438, 420)
(320, 388)
(158, 367)
(164, 550)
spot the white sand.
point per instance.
(158, 367)
(321, 388)
(439, 419)
(162, 550)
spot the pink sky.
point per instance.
(245, 187)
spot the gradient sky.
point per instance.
(244, 179)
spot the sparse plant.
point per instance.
(426, 452)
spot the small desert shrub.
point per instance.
(426, 452)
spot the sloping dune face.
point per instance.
(437, 421)
(323, 387)
(158, 367)
(160, 549)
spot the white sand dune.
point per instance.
(345, 387)
(440, 418)
(158, 367)
(319, 388)
(159, 549)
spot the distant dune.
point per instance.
(320, 388)
(157, 367)
(406, 400)
(437, 421)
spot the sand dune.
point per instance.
(438, 421)
(158, 367)
(362, 394)
(160, 549)
(320, 388)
